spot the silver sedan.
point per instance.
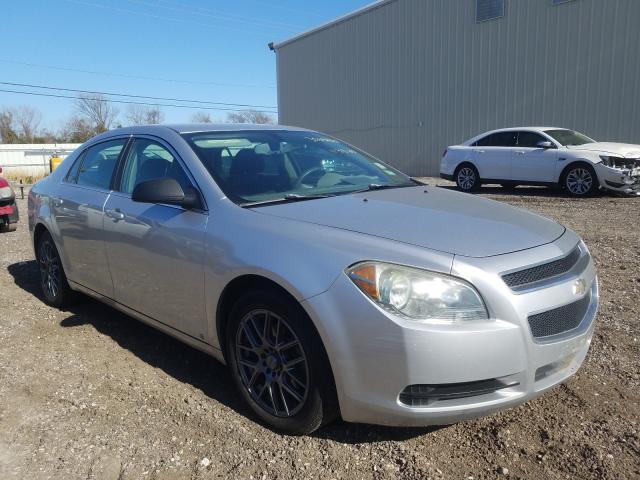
(330, 283)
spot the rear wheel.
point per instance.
(53, 281)
(278, 363)
(580, 180)
(467, 178)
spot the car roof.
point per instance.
(511, 129)
(199, 127)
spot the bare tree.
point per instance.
(250, 116)
(201, 117)
(27, 120)
(7, 132)
(97, 111)
(76, 130)
(143, 115)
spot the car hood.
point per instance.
(624, 150)
(428, 217)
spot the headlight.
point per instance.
(6, 192)
(418, 294)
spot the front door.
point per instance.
(156, 251)
(532, 163)
(78, 212)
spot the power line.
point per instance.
(148, 104)
(167, 99)
(132, 76)
(195, 10)
(159, 17)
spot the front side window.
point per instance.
(530, 139)
(150, 160)
(263, 166)
(499, 139)
(569, 138)
(97, 165)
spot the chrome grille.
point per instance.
(528, 276)
(559, 320)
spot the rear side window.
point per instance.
(97, 165)
(499, 139)
(150, 160)
(529, 139)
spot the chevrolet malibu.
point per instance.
(548, 156)
(330, 283)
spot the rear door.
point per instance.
(156, 252)
(532, 163)
(493, 155)
(78, 213)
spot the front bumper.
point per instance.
(375, 355)
(622, 181)
(9, 212)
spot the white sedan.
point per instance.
(543, 156)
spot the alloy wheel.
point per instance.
(466, 178)
(272, 364)
(49, 269)
(579, 181)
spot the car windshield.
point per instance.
(569, 138)
(267, 166)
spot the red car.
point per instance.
(8, 207)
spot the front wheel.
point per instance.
(467, 178)
(278, 364)
(580, 180)
(8, 227)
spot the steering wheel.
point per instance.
(306, 174)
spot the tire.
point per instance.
(467, 178)
(296, 400)
(8, 227)
(53, 281)
(580, 180)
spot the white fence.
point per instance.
(31, 159)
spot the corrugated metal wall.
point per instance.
(410, 77)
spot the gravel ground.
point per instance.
(91, 393)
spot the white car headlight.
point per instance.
(6, 192)
(418, 294)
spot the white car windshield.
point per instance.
(569, 138)
(267, 166)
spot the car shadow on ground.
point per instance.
(528, 191)
(185, 363)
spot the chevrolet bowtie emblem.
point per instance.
(580, 287)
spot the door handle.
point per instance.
(57, 202)
(519, 152)
(114, 215)
(480, 151)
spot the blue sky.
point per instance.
(214, 50)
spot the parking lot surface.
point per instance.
(92, 393)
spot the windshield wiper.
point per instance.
(289, 197)
(297, 196)
(383, 186)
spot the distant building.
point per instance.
(405, 78)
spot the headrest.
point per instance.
(247, 162)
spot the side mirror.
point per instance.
(165, 190)
(545, 144)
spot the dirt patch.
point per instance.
(92, 393)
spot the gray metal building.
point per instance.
(403, 79)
